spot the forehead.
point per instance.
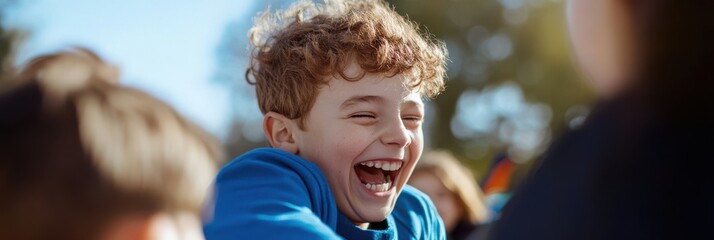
(371, 88)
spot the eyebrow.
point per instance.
(360, 99)
(371, 99)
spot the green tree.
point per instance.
(511, 83)
(498, 48)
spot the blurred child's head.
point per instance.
(341, 84)
(623, 43)
(84, 158)
(451, 187)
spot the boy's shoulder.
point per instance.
(270, 192)
(269, 164)
(268, 157)
(416, 217)
(280, 174)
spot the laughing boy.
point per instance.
(340, 85)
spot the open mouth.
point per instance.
(378, 175)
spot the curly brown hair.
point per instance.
(297, 50)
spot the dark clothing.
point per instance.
(467, 231)
(461, 231)
(635, 170)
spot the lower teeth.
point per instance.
(381, 187)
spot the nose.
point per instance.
(396, 134)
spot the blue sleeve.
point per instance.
(269, 195)
(416, 216)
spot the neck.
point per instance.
(362, 225)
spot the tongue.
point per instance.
(370, 175)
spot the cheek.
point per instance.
(417, 145)
(349, 142)
(590, 26)
(453, 206)
(334, 149)
(449, 210)
(582, 32)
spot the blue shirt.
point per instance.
(272, 194)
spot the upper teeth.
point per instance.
(384, 165)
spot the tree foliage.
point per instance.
(496, 45)
(511, 83)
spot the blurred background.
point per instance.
(511, 85)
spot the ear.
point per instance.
(280, 130)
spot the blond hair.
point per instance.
(296, 51)
(458, 179)
(131, 152)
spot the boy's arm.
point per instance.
(267, 197)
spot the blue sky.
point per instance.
(167, 48)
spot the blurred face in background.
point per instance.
(601, 36)
(447, 203)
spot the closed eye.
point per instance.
(363, 115)
(412, 122)
(412, 118)
(364, 118)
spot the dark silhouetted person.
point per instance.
(641, 165)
